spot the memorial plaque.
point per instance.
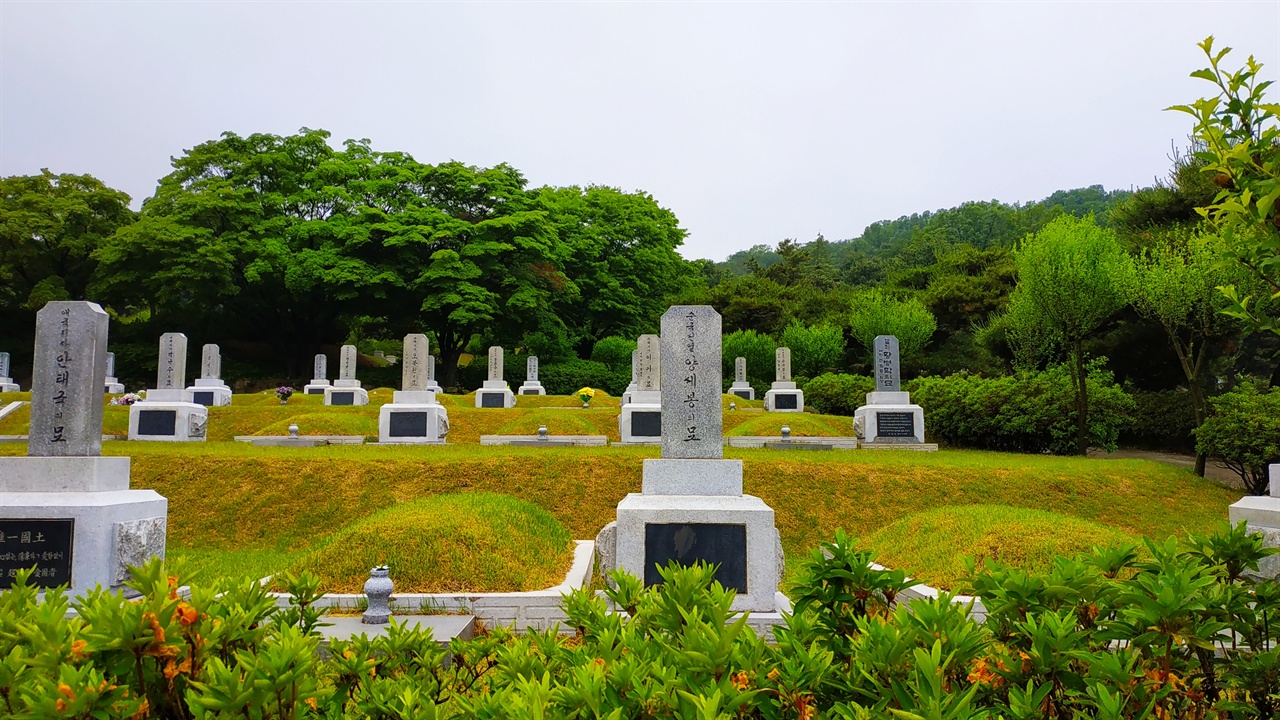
(646, 424)
(740, 369)
(321, 369)
(342, 398)
(495, 363)
(413, 367)
(202, 397)
(158, 422)
(649, 355)
(210, 363)
(43, 544)
(785, 401)
(691, 389)
(68, 373)
(408, 424)
(888, 372)
(531, 368)
(315, 391)
(782, 363)
(492, 400)
(347, 363)
(721, 545)
(744, 394)
(895, 424)
(172, 373)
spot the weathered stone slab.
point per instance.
(172, 373)
(531, 368)
(69, 371)
(211, 362)
(740, 369)
(649, 355)
(691, 412)
(413, 367)
(320, 371)
(347, 363)
(782, 363)
(495, 363)
(888, 364)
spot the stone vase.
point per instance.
(377, 589)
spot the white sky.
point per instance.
(753, 122)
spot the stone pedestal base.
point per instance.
(495, 394)
(1262, 514)
(111, 527)
(113, 387)
(315, 387)
(641, 422)
(784, 397)
(8, 385)
(413, 418)
(346, 392)
(167, 420)
(880, 422)
(743, 390)
(210, 392)
(626, 394)
(531, 387)
(548, 441)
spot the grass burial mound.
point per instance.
(558, 422)
(323, 423)
(801, 424)
(457, 542)
(933, 543)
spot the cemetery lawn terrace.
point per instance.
(238, 510)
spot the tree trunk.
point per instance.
(1082, 401)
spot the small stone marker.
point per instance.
(531, 368)
(495, 362)
(321, 369)
(66, 390)
(111, 365)
(740, 369)
(347, 363)
(888, 372)
(4, 364)
(691, 347)
(431, 369)
(172, 373)
(649, 353)
(211, 362)
(413, 370)
(782, 360)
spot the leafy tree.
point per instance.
(757, 348)
(814, 350)
(877, 313)
(1072, 276)
(1244, 432)
(1240, 141)
(1175, 284)
(614, 353)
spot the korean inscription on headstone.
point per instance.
(413, 369)
(740, 369)
(782, 360)
(887, 364)
(43, 544)
(172, 373)
(649, 353)
(321, 369)
(70, 366)
(4, 364)
(347, 363)
(691, 348)
(531, 368)
(210, 362)
(495, 363)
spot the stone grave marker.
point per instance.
(69, 374)
(888, 364)
(690, 384)
(347, 363)
(531, 367)
(782, 360)
(172, 373)
(649, 353)
(495, 363)
(413, 372)
(211, 362)
(783, 396)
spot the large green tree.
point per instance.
(1072, 277)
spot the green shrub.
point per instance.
(568, 377)
(615, 353)
(837, 394)
(1163, 420)
(1028, 412)
(1243, 432)
(814, 350)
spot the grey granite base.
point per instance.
(324, 439)
(759, 441)
(550, 441)
(444, 628)
(190, 421)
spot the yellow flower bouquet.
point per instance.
(585, 395)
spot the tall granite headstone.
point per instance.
(783, 395)
(413, 415)
(346, 389)
(495, 393)
(112, 385)
(889, 418)
(209, 389)
(211, 362)
(782, 361)
(691, 383)
(495, 363)
(6, 380)
(531, 367)
(888, 365)
(168, 413)
(172, 372)
(649, 352)
(640, 420)
(347, 362)
(531, 385)
(413, 367)
(319, 376)
(740, 386)
(64, 508)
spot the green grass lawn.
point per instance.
(238, 510)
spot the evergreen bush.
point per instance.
(1244, 433)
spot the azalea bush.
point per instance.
(1178, 631)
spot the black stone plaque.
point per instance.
(158, 422)
(744, 394)
(493, 400)
(646, 424)
(896, 424)
(43, 544)
(342, 398)
(408, 424)
(787, 401)
(315, 391)
(722, 545)
(202, 397)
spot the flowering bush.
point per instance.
(1180, 634)
(284, 392)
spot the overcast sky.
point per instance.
(753, 122)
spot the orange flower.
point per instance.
(173, 587)
(170, 669)
(774, 675)
(311, 703)
(77, 649)
(185, 614)
(981, 674)
(61, 705)
(144, 710)
(65, 691)
(741, 681)
(156, 629)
